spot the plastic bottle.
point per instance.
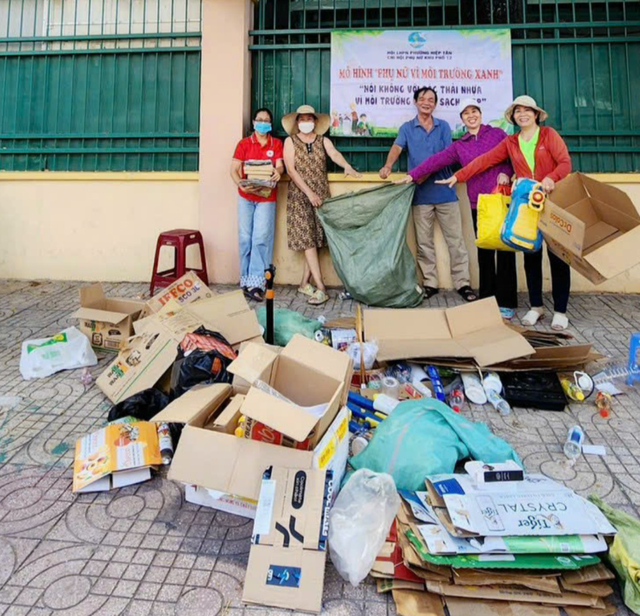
(422, 388)
(572, 390)
(603, 402)
(385, 404)
(573, 444)
(434, 375)
(498, 402)
(165, 442)
(456, 400)
(492, 382)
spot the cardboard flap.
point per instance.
(320, 357)
(616, 257)
(612, 196)
(253, 362)
(570, 190)
(497, 344)
(290, 420)
(230, 315)
(92, 295)
(224, 463)
(563, 226)
(406, 325)
(125, 306)
(194, 402)
(474, 316)
(93, 314)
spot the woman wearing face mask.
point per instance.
(305, 156)
(496, 279)
(256, 213)
(536, 152)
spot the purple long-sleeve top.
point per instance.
(463, 151)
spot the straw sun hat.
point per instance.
(323, 120)
(524, 101)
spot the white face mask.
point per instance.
(306, 127)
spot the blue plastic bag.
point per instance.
(520, 228)
(425, 437)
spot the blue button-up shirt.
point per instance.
(421, 144)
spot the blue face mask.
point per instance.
(262, 127)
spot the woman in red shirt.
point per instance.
(536, 152)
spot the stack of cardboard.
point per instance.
(482, 549)
(258, 177)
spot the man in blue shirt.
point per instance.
(422, 137)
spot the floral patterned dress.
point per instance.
(303, 225)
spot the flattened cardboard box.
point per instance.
(107, 322)
(185, 290)
(288, 551)
(146, 357)
(592, 226)
(475, 330)
(305, 372)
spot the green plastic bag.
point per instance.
(624, 553)
(366, 232)
(288, 323)
(425, 437)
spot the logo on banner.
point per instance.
(417, 40)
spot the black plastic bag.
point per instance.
(203, 358)
(144, 406)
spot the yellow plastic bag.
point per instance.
(492, 210)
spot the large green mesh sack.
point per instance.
(425, 437)
(366, 232)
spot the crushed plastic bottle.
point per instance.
(456, 400)
(573, 444)
(603, 402)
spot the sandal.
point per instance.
(467, 294)
(559, 322)
(533, 316)
(507, 313)
(307, 290)
(318, 298)
(429, 292)
(255, 294)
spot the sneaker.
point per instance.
(507, 313)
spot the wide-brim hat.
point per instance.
(524, 101)
(290, 124)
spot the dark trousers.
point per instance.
(498, 274)
(560, 280)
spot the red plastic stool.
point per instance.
(179, 239)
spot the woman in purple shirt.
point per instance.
(495, 279)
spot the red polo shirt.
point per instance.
(251, 149)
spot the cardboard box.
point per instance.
(592, 226)
(185, 290)
(146, 357)
(234, 486)
(119, 455)
(475, 330)
(308, 374)
(289, 543)
(468, 607)
(107, 322)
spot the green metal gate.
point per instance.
(579, 58)
(99, 85)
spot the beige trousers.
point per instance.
(450, 221)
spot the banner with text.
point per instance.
(375, 72)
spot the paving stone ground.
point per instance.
(144, 550)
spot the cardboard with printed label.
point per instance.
(107, 322)
(149, 355)
(118, 455)
(289, 542)
(185, 290)
(308, 375)
(592, 226)
(475, 330)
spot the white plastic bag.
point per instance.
(360, 522)
(67, 350)
(368, 349)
